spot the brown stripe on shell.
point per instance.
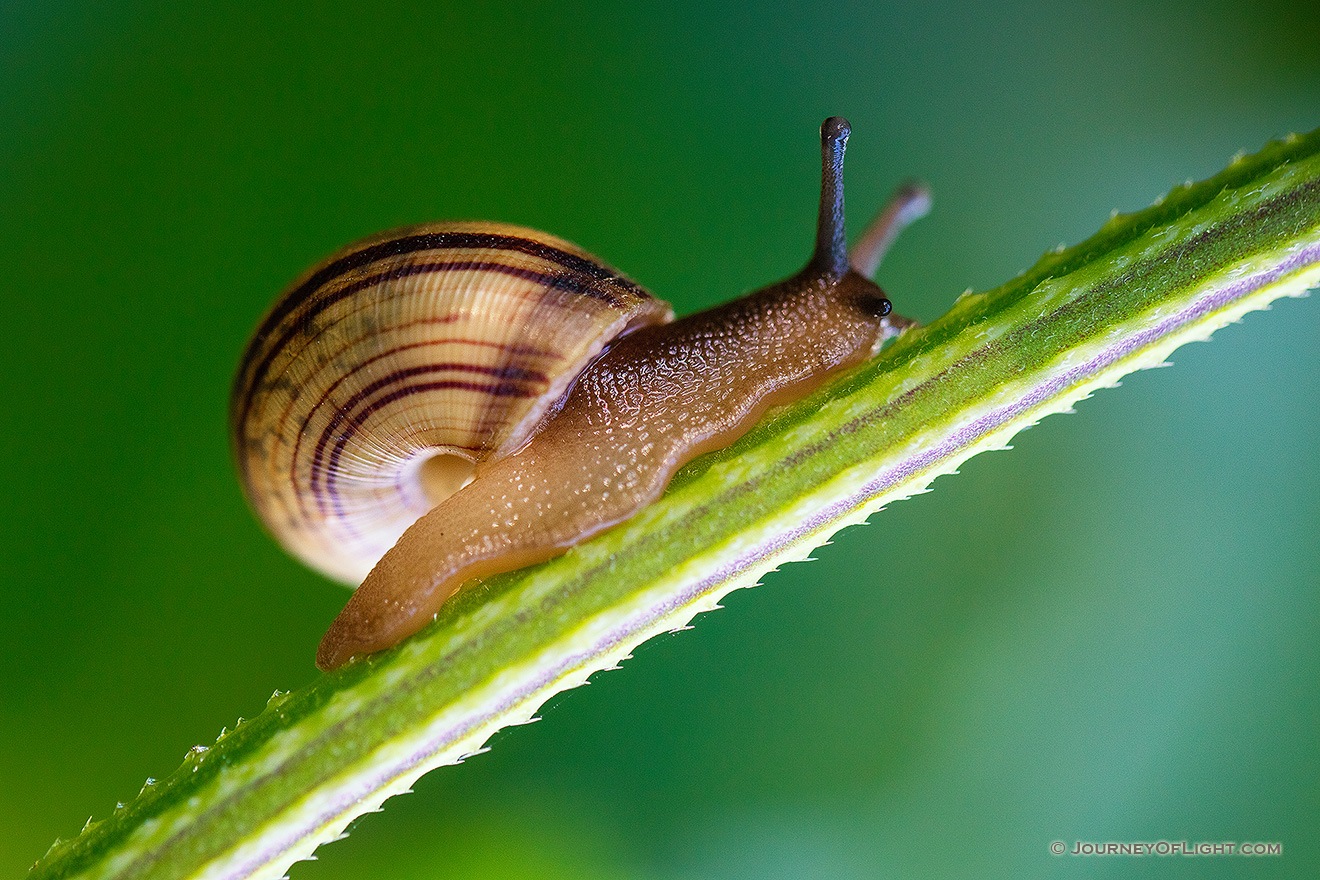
(317, 305)
(480, 343)
(601, 282)
(534, 244)
(304, 427)
(503, 389)
(347, 408)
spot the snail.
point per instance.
(447, 401)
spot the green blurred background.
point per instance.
(1110, 633)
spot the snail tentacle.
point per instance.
(831, 255)
(907, 204)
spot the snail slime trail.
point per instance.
(451, 400)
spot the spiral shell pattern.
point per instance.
(444, 339)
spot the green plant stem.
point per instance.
(269, 792)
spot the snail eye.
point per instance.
(875, 306)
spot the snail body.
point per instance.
(449, 401)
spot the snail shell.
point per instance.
(453, 400)
(385, 374)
